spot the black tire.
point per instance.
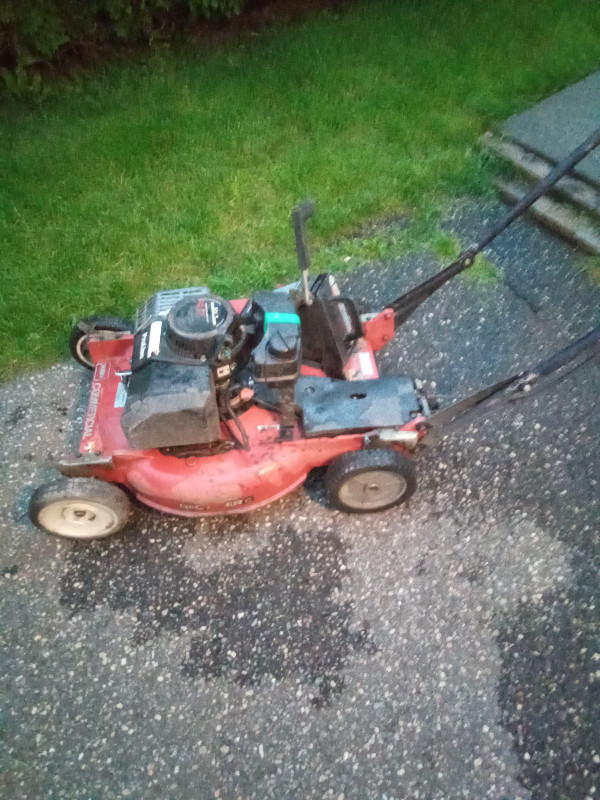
(78, 340)
(79, 508)
(364, 481)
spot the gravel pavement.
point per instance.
(448, 649)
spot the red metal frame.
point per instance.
(233, 482)
(380, 330)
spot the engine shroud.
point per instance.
(180, 340)
(197, 326)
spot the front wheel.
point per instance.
(79, 508)
(81, 332)
(370, 480)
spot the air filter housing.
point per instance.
(169, 405)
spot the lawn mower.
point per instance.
(205, 406)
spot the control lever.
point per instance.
(300, 214)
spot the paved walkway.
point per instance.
(558, 124)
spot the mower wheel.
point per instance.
(78, 341)
(370, 480)
(79, 508)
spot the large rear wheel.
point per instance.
(370, 480)
(79, 508)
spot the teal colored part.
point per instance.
(278, 316)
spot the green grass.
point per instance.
(181, 167)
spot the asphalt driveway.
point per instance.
(448, 649)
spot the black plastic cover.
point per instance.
(169, 405)
(196, 326)
(331, 407)
(192, 331)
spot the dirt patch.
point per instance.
(260, 15)
(84, 56)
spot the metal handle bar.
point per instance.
(300, 214)
(407, 303)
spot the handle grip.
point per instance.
(300, 214)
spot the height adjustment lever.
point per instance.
(300, 214)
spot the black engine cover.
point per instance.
(182, 341)
(169, 405)
(197, 326)
(192, 331)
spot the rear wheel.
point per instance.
(79, 508)
(80, 335)
(370, 480)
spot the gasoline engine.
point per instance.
(197, 363)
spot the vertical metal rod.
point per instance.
(300, 214)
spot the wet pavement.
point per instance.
(447, 649)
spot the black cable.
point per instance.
(258, 401)
(506, 400)
(544, 382)
(238, 346)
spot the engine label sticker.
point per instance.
(211, 312)
(101, 371)
(121, 396)
(366, 366)
(154, 338)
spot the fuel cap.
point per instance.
(283, 345)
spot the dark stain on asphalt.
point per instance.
(549, 687)
(16, 416)
(275, 615)
(550, 692)
(550, 675)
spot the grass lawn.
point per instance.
(181, 167)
